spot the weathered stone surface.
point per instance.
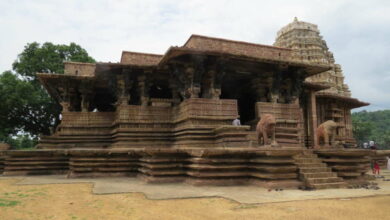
(4, 146)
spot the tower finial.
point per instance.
(295, 19)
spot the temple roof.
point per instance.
(203, 45)
(353, 102)
(315, 86)
(140, 59)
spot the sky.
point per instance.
(357, 32)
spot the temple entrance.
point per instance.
(246, 106)
(241, 90)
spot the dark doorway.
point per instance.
(160, 91)
(241, 90)
(246, 106)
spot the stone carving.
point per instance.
(326, 132)
(310, 47)
(266, 128)
(65, 106)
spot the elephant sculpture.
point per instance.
(326, 132)
(266, 128)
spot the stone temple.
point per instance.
(168, 117)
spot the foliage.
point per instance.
(25, 106)
(372, 126)
(21, 142)
(48, 58)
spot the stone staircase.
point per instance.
(287, 133)
(315, 174)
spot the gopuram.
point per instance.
(168, 118)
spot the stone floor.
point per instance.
(242, 194)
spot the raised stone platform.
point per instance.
(263, 166)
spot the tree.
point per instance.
(372, 126)
(361, 130)
(25, 106)
(48, 58)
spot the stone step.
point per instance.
(309, 165)
(308, 160)
(302, 156)
(318, 175)
(314, 169)
(287, 140)
(285, 135)
(286, 121)
(324, 180)
(327, 185)
(286, 130)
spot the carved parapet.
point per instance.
(215, 93)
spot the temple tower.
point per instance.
(310, 47)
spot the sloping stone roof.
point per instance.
(140, 59)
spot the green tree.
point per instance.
(372, 126)
(361, 130)
(48, 58)
(25, 106)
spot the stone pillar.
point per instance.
(122, 91)
(274, 85)
(312, 116)
(144, 87)
(84, 102)
(65, 106)
(211, 89)
(192, 87)
(173, 85)
(85, 91)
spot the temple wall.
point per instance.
(269, 168)
(79, 69)
(191, 124)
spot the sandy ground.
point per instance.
(76, 201)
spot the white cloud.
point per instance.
(357, 32)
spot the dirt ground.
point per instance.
(75, 201)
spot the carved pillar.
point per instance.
(86, 92)
(312, 116)
(65, 98)
(211, 90)
(144, 87)
(297, 79)
(123, 85)
(194, 76)
(192, 88)
(174, 86)
(273, 86)
(218, 78)
(65, 106)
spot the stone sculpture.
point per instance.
(326, 132)
(266, 128)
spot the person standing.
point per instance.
(377, 169)
(365, 145)
(237, 122)
(388, 163)
(372, 145)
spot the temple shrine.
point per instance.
(168, 117)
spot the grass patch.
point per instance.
(8, 203)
